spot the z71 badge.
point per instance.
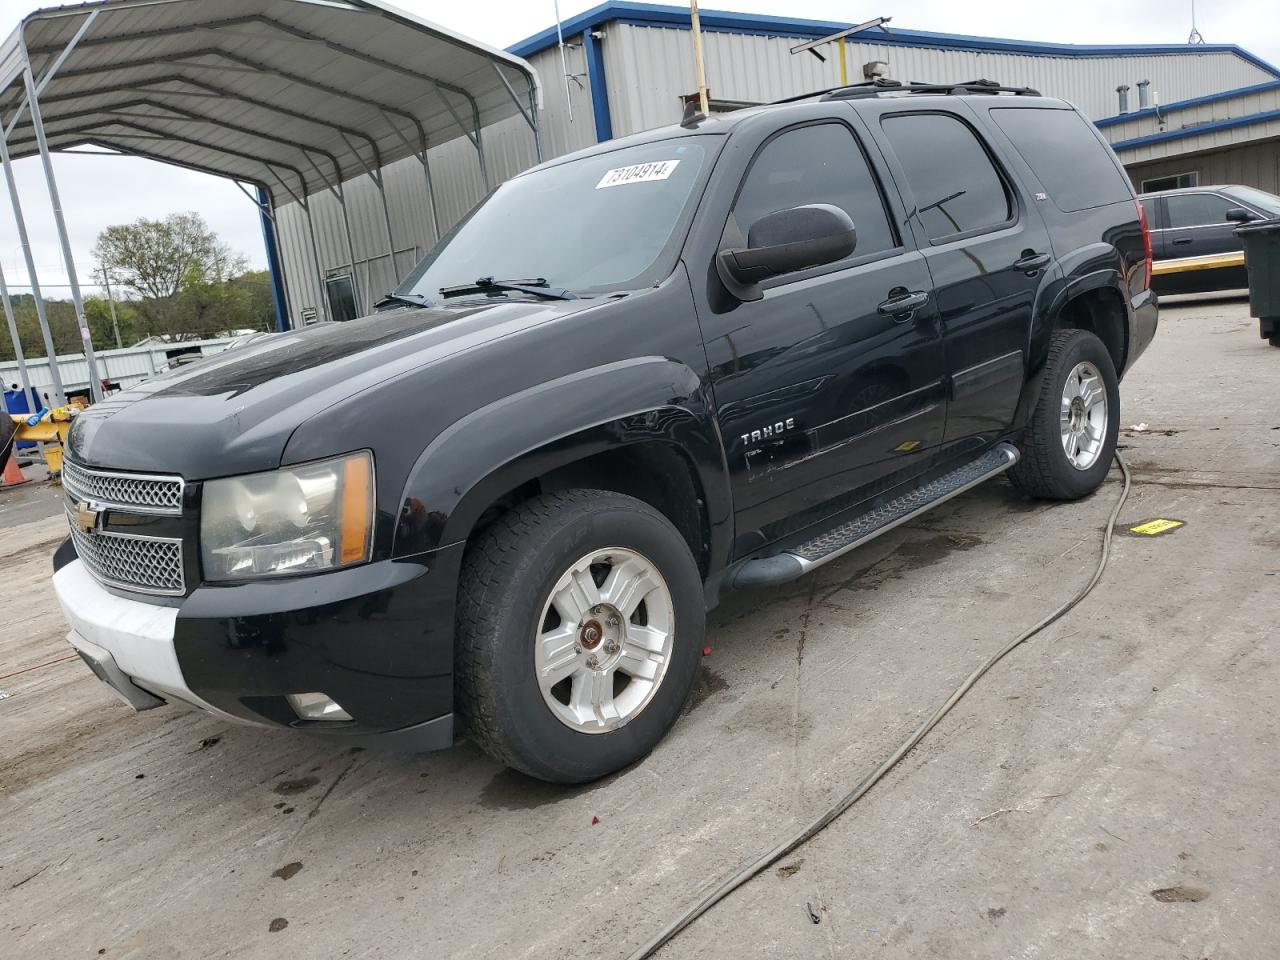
(772, 430)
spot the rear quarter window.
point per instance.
(1077, 171)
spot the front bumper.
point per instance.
(378, 639)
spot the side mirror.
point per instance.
(786, 241)
(1240, 215)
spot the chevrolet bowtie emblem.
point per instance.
(87, 516)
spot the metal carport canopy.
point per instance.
(294, 96)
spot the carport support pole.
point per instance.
(304, 201)
(421, 153)
(391, 241)
(341, 193)
(271, 241)
(315, 255)
(51, 181)
(484, 167)
(431, 193)
(17, 344)
(59, 397)
(537, 128)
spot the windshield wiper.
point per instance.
(411, 299)
(537, 287)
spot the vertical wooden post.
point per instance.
(698, 62)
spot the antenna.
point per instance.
(1195, 37)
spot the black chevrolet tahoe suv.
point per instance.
(711, 356)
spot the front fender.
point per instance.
(495, 449)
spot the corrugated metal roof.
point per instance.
(301, 93)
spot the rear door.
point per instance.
(987, 252)
(1195, 238)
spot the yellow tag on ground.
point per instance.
(1160, 525)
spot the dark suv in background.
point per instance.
(1193, 236)
(715, 355)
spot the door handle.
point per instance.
(901, 305)
(1179, 241)
(1032, 262)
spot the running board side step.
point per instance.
(793, 563)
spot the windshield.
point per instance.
(1268, 203)
(606, 222)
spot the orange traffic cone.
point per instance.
(12, 474)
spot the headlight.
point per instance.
(317, 516)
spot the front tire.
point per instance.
(1071, 436)
(580, 621)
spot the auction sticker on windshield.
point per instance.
(638, 173)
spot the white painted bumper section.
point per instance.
(137, 636)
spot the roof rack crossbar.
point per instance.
(874, 88)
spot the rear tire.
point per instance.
(1071, 436)
(580, 621)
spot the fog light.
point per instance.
(316, 706)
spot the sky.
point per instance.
(99, 191)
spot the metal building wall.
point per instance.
(1257, 165)
(458, 187)
(648, 68)
(125, 366)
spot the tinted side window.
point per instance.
(1197, 209)
(957, 189)
(1150, 206)
(1075, 168)
(822, 163)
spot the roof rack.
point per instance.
(878, 86)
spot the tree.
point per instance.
(179, 282)
(157, 259)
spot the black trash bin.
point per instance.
(1262, 257)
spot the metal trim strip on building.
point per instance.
(1197, 130)
(1168, 108)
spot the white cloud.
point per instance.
(99, 191)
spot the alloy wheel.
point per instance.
(604, 640)
(1083, 417)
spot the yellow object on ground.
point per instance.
(1157, 526)
(1209, 261)
(51, 432)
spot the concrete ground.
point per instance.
(30, 501)
(1109, 790)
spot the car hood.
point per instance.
(234, 412)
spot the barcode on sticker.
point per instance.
(638, 173)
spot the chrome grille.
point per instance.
(144, 564)
(135, 492)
